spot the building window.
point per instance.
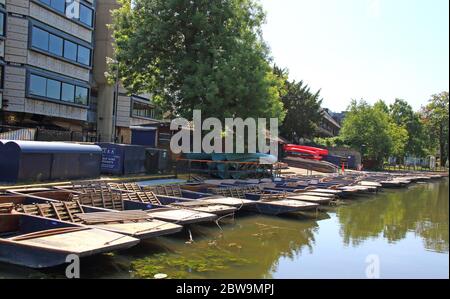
(57, 90)
(59, 5)
(70, 50)
(53, 89)
(38, 86)
(2, 23)
(81, 95)
(86, 13)
(84, 55)
(55, 45)
(40, 39)
(68, 93)
(58, 46)
(141, 109)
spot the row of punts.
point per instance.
(40, 227)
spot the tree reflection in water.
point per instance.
(421, 209)
(249, 249)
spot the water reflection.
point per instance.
(421, 209)
(249, 249)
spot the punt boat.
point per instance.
(175, 192)
(39, 242)
(137, 224)
(115, 201)
(267, 203)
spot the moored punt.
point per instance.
(38, 242)
(308, 198)
(132, 223)
(358, 189)
(266, 203)
(177, 202)
(326, 191)
(280, 207)
(371, 184)
(180, 216)
(116, 201)
(175, 192)
(137, 224)
(317, 194)
(229, 201)
(392, 184)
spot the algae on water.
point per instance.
(197, 264)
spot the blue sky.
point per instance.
(371, 49)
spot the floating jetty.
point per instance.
(40, 226)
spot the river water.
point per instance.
(399, 233)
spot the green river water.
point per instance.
(406, 230)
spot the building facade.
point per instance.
(328, 126)
(47, 62)
(52, 70)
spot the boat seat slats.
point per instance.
(145, 197)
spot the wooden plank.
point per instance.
(46, 233)
(68, 212)
(55, 210)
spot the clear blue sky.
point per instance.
(371, 49)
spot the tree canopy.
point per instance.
(435, 116)
(303, 108)
(202, 54)
(367, 128)
(403, 115)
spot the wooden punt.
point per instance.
(129, 223)
(326, 191)
(38, 242)
(318, 194)
(181, 216)
(229, 201)
(176, 202)
(137, 224)
(269, 204)
(371, 184)
(392, 184)
(170, 194)
(309, 198)
(119, 201)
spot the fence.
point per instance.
(429, 163)
(21, 134)
(39, 134)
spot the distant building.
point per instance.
(339, 116)
(328, 127)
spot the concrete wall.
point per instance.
(105, 100)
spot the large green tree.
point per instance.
(201, 54)
(370, 129)
(403, 114)
(303, 108)
(436, 119)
